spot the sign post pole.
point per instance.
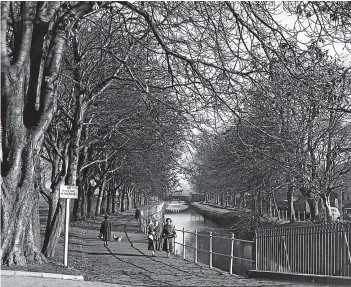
(67, 192)
(65, 256)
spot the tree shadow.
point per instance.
(162, 263)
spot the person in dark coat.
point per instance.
(105, 230)
(137, 213)
(168, 234)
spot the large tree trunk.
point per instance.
(20, 240)
(28, 85)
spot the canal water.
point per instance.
(183, 217)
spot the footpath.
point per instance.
(129, 263)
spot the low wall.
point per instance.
(241, 222)
(219, 215)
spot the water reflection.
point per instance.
(221, 241)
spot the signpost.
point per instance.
(68, 192)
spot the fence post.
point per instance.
(174, 246)
(347, 247)
(210, 249)
(256, 250)
(183, 244)
(195, 246)
(231, 255)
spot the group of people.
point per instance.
(161, 236)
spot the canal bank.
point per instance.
(240, 222)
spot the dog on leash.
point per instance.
(117, 238)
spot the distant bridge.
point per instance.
(186, 198)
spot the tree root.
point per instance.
(17, 258)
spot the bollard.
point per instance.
(210, 249)
(231, 255)
(195, 259)
(183, 244)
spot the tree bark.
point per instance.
(53, 226)
(109, 201)
(122, 200)
(90, 198)
(326, 202)
(114, 198)
(314, 210)
(103, 201)
(290, 198)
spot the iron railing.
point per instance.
(237, 262)
(319, 249)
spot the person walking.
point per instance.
(151, 236)
(105, 230)
(158, 235)
(168, 235)
(137, 213)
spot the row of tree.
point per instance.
(293, 140)
(97, 94)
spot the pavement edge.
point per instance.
(41, 275)
(321, 279)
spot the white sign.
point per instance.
(68, 191)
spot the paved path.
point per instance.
(128, 263)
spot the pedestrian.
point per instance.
(151, 236)
(137, 213)
(158, 234)
(168, 235)
(105, 230)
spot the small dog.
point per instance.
(117, 238)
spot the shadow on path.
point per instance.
(171, 260)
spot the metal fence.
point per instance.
(321, 249)
(227, 253)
